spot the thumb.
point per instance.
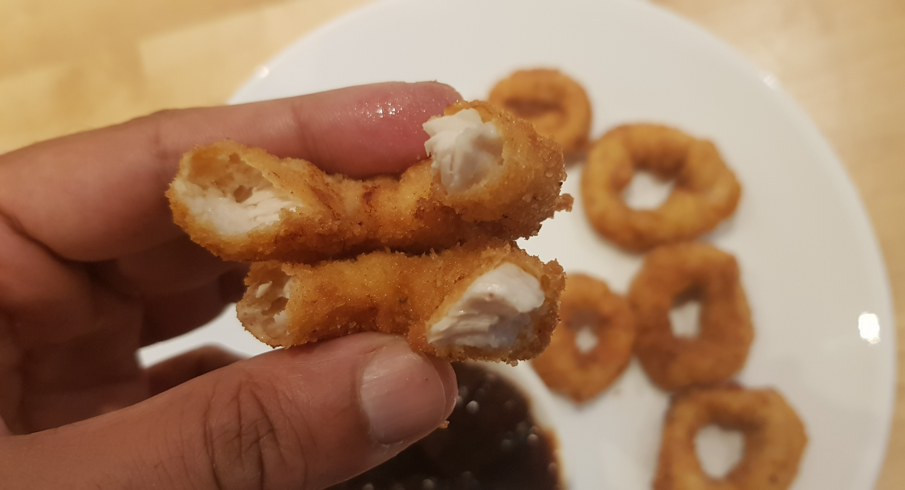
(300, 418)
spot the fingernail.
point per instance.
(402, 394)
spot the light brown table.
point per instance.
(72, 65)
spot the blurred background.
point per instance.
(70, 66)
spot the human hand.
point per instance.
(92, 268)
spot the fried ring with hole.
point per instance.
(775, 439)
(555, 104)
(726, 333)
(705, 190)
(583, 373)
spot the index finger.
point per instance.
(100, 194)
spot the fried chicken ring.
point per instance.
(484, 301)
(775, 439)
(705, 190)
(726, 333)
(587, 306)
(490, 175)
(557, 105)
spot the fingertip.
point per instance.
(450, 383)
(404, 394)
(370, 129)
(444, 93)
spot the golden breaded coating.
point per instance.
(485, 301)
(244, 204)
(703, 272)
(555, 104)
(576, 369)
(775, 439)
(705, 190)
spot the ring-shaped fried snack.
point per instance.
(557, 105)
(775, 439)
(481, 300)
(705, 190)
(490, 175)
(726, 332)
(581, 372)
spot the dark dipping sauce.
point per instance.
(492, 443)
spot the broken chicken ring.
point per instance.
(490, 176)
(775, 439)
(557, 105)
(483, 301)
(720, 350)
(589, 314)
(705, 190)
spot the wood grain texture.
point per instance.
(70, 66)
(67, 66)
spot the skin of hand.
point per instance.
(92, 268)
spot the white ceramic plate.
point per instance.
(810, 262)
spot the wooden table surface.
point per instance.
(67, 66)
